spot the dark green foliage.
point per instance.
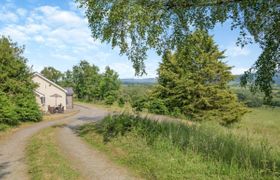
(27, 108)
(137, 26)
(195, 80)
(52, 74)
(249, 99)
(16, 85)
(67, 79)
(109, 85)
(210, 142)
(109, 99)
(90, 85)
(157, 106)
(138, 103)
(7, 111)
(256, 102)
(121, 101)
(86, 79)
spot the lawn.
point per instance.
(45, 160)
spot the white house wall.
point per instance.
(48, 90)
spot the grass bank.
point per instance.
(45, 160)
(175, 151)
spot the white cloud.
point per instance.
(8, 17)
(39, 39)
(234, 51)
(21, 12)
(238, 71)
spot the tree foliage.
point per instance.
(109, 86)
(17, 99)
(195, 80)
(89, 84)
(86, 78)
(52, 74)
(136, 26)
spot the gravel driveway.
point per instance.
(91, 163)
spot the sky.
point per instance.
(55, 33)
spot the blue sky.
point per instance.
(55, 33)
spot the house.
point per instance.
(49, 93)
(69, 97)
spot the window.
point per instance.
(43, 100)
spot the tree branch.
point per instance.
(176, 5)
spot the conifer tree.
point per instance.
(195, 80)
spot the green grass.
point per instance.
(176, 151)
(261, 123)
(45, 161)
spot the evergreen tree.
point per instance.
(195, 80)
(16, 85)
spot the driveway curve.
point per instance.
(92, 164)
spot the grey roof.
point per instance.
(70, 91)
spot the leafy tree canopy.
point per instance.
(52, 74)
(86, 80)
(136, 26)
(17, 99)
(194, 80)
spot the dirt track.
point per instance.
(92, 164)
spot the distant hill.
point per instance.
(139, 81)
(236, 81)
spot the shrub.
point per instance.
(254, 102)
(121, 102)
(275, 103)
(8, 116)
(138, 103)
(27, 108)
(109, 100)
(157, 106)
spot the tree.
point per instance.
(52, 74)
(67, 79)
(195, 80)
(109, 85)
(86, 80)
(16, 86)
(136, 26)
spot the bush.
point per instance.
(27, 108)
(121, 102)
(275, 103)
(138, 103)
(249, 99)
(157, 106)
(254, 102)
(109, 100)
(8, 116)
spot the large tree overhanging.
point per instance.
(138, 25)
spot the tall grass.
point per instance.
(211, 143)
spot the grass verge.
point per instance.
(8, 130)
(175, 151)
(45, 160)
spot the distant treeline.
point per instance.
(236, 81)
